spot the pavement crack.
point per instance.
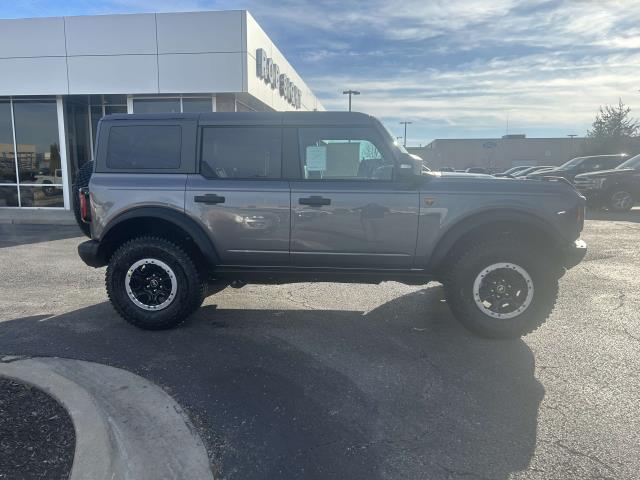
(579, 453)
(621, 300)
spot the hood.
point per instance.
(606, 173)
(558, 172)
(478, 182)
(463, 175)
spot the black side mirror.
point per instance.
(408, 166)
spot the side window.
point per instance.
(144, 147)
(612, 163)
(241, 152)
(343, 154)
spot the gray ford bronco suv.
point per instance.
(181, 205)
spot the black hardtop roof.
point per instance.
(249, 118)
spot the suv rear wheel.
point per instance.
(503, 288)
(153, 284)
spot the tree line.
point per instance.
(614, 130)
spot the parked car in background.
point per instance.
(476, 170)
(537, 168)
(617, 189)
(513, 170)
(45, 178)
(580, 165)
(447, 169)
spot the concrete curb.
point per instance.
(126, 427)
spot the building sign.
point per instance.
(269, 71)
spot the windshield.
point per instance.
(571, 163)
(395, 141)
(633, 162)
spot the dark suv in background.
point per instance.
(617, 189)
(580, 165)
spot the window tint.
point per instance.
(144, 146)
(612, 162)
(241, 152)
(342, 154)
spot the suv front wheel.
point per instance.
(502, 288)
(153, 284)
(620, 200)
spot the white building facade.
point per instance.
(60, 75)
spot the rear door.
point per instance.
(239, 196)
(348, 211)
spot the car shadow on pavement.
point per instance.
(13, 235)
(397, 392)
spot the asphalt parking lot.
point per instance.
(360, 381)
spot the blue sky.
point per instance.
(456, 68)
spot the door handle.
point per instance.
(209, 198)
(314, 201)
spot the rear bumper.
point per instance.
(574, 254)
(89, 252)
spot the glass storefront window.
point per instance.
(156, 105)
(7, 163)
(197, 105)
(47, 196)
(36, 125)
(77, 123)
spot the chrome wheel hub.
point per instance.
(503, 290)
(151, 284)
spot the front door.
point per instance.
(347, 209)
(239, 196)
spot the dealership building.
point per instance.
(60, 75)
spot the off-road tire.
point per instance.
(190, 289)
(83, 176)
(468, 263)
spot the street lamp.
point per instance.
(572, 136)
(405, 131)
(350, 92)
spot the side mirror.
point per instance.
(408, 167)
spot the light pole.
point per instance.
(572, 136)
(350, 92)
(405, 131)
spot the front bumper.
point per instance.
(89, 252)
(574, 254)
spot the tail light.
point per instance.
(85, 209)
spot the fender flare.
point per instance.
(177, 218)
(470, 222)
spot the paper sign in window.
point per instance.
(316, 158)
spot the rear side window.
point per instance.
(241, 152)
(612, 162)
(144, 147)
